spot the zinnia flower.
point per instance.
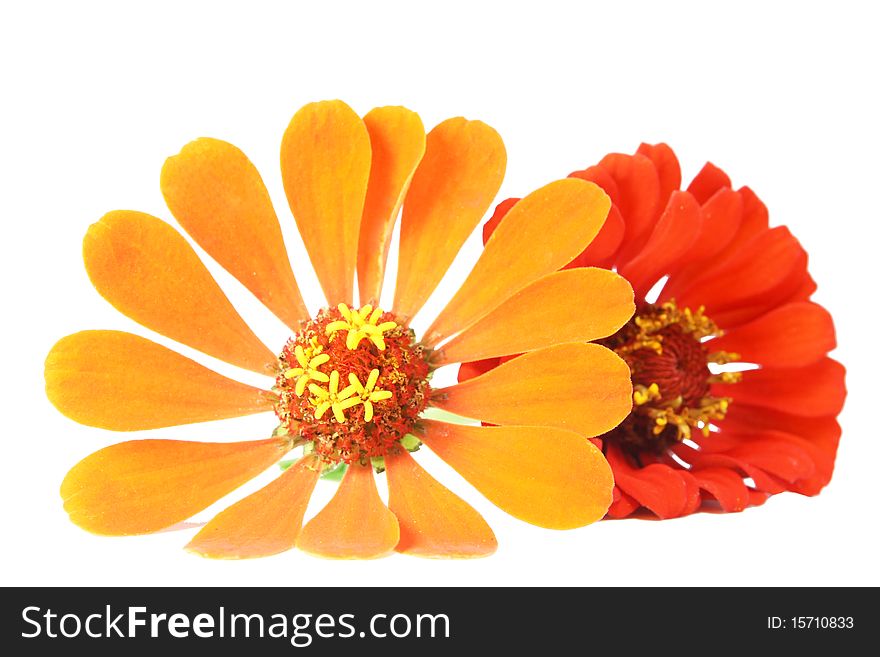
(733, 294)
(352, 382)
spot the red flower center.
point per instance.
(352, 384)
(680, 369)
(668, 352)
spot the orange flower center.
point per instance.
(351, 384)
(667, 350)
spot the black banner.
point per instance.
(433, 621)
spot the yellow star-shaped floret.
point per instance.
(368, 393)
(333, 398)
(309, 360)
(361, 324)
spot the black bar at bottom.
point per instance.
(433, 621)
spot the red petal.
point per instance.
(476, 367)
(694, 499)
(815, 390)
(783, 459)
(705, 459)
(623, 505)
(823, 454)
(744, 418)
(760, 273)
(757, 498)
(601, 251)
(754, 221)
(596, 174)
(806, 465)
(819, 435)
(668, 169)
(720, 219)
(671, 240)
(724, 485)
(639, 202)
(657, 486)
(793, 335)
(707, 182)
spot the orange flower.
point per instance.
(733, 291)
(352, 382)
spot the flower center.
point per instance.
(351, 384)
(667, 351)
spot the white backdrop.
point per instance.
(97, 95)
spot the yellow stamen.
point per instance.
(642, 395)
(726, 377)
(361, 324)
(309, 359)
(684, 418)
(332, 398)
(368, 393)
(648, 337)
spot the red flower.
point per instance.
(705, 428)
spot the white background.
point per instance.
(96, 95)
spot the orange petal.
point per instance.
(566, 487)
(582, 387)
(355, 524)
(790, 336)
(325, 164)
(143, 486)
(218, 197)
(576, 305)
(264, 523)
(814, 390)
(434, 521)
(119, 381)
(452, 189)
(670, 241)
(603, 245)
(150, 273)
(541, 233)
(596, 174)
(500, 212)
(397, 138)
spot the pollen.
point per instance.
(361, 324)
(352, 384)
(667, 350)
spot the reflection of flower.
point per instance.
(737, 292)
(345, 399)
